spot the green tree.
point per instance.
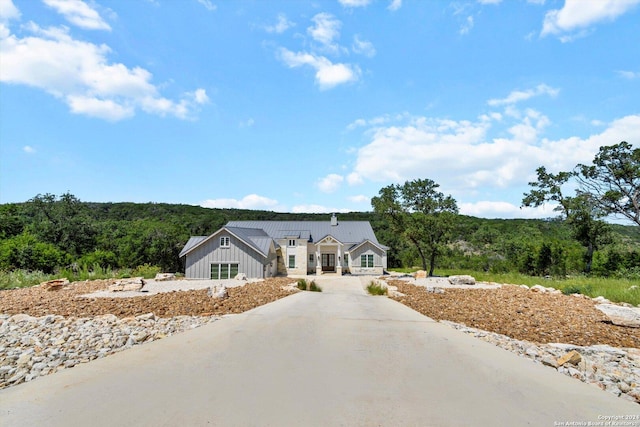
(63, 222)
(581, 212)
(421, 214)
(11, 221)
(27, 252)
(613, 180)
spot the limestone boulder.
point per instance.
(621, 316)
(55, 285)
(134, 284)
(161, 277)
(218, 291)
(462, 280)
(573, 358)
(420, 274)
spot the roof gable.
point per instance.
(256, 239)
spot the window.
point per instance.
(346, 259)
(310, 257)
(292, 242)
(225, 242)
(223, 271)
(366, 261)
(292, 261)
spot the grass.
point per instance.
(303, 285)
(375, 288)
(23, 278)
(613, 289)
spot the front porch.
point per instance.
(329, 253)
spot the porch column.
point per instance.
(318, 261)
(339, 263)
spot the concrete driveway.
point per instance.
(312, 359)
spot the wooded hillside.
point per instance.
(49, 232)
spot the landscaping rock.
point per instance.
(161, 277)
(573, 357)
(621, 316)
(218, 291)
(55, 285)
(241, 276)
(134, 284)
(420, 274)
(462, 280)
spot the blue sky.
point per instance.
(310, 106)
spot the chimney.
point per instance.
(334, 220)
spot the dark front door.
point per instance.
(328, 262)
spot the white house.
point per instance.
(266, 248)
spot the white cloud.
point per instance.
(518, 95)
(461, 157)
(629, 74)
(489, 1)
(28, 149)
(247, 123)
(579, 14)
(325, 30)
(363, 47)
(79, 13)
(200, 96)
(360, 199)
(316, 209)
(251, 201)
(354, 3)
(395, 5)
(354, 179)
(80, 74)
(208, 5)
(8, 11)
(330, 183)
(328, 74)
(281, 26)
(467, 26)
(493, 209)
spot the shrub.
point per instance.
(303, 285)
(375, 288)
(314, 288)
(147, 271)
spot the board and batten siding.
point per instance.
(379, 259)
(198, 262)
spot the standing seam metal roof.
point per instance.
(347, 232)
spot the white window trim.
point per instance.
(225, 242)
(292, 243)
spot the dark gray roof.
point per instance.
(347, 232)
(255, 237)
(261, 234)
(191, 243)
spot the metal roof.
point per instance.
(254, 237)
(191, 243)
(347, 232)
(261, 234)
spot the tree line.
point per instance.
(428, 221)
(421, 225)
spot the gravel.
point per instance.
(42, 332)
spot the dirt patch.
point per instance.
(37, 301)
(521, 314)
